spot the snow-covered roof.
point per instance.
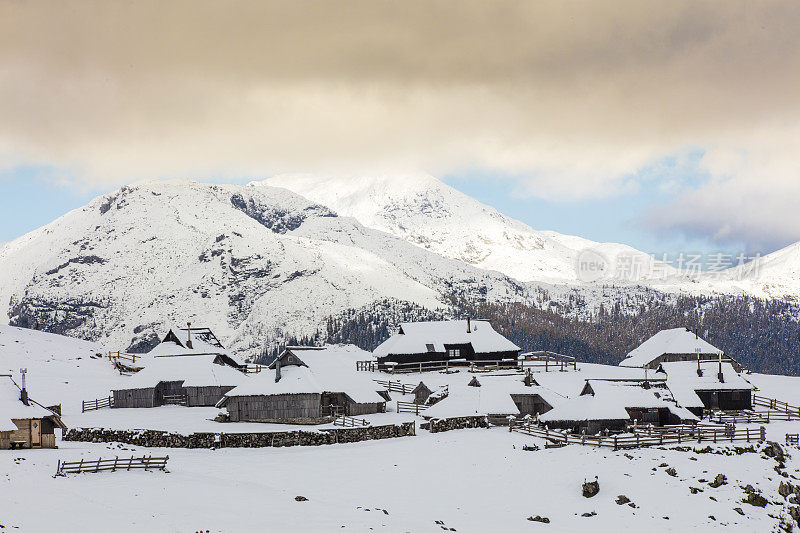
(463, 400)
(610, 400)
(420, 337)
(328, 369)
(683, 381)
(668, 341)
(11, 406)
(193, 370)
(168, 347)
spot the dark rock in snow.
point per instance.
(718, 481)
(589, 514)
(671, 472)
(300, 499)
(739, 510)
(591, 488)
(537, 518)
(622, 499)
(756, 499)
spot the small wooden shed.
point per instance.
(24, 423)
(190, 380)
(308, 385)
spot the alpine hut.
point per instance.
(699, 385)
(191, 380)
(678, 344)
(612, 405)
(24, 423)
(447, 340)
(307, 385)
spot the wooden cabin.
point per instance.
(699, 385)
(453, 340)
(613, 405)
(24, 423)
(190, 380)
(671, 345)
(306, 385)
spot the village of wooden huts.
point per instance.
(449, 340)
(24, 423)
(307, 385)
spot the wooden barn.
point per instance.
(612, 405)
(307, 385)
(670, 345)
(699, 385)
(190, 380)
(453, 340)
(24, 423)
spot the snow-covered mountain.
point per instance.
(430, 214)
(254, 263)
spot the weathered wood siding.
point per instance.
(530, 404)
(135, 398)
(274, 407)
(727, 400)
(442, 356)
(5, 440)
(205, 396)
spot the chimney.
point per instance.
(469, 330)
(189, 335)
(699, 371)
(23, 395)
(720, 376)
(277, 369)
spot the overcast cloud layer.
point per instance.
(571, 98)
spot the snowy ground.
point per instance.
(471, 480)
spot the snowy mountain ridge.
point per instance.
(428, 213)
(253, 263)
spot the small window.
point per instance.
(430, 347)
(454, 352)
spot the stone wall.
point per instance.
(163, 439)
(437, 425)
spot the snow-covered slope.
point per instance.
(253, 263)
(424, 211)
(61, 370)
(776, 275)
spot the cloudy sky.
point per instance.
(664, 125)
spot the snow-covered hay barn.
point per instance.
(613, 405)
(191, 380)
(466, 340)
(307, 385)
(23, 422)
(677, 344)
(707, 385)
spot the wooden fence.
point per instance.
(396, 386)
(410, 407)
(253, 368)
(548, 360)
(367, 366)
(100, 403)
(775, 406)
(349, 421)
(100, 465)
(673, 435)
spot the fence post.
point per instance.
(763, 434)
(97, 467)
(615, 443)
(748, 434)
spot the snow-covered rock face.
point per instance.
(428, 213)
(254, 263)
